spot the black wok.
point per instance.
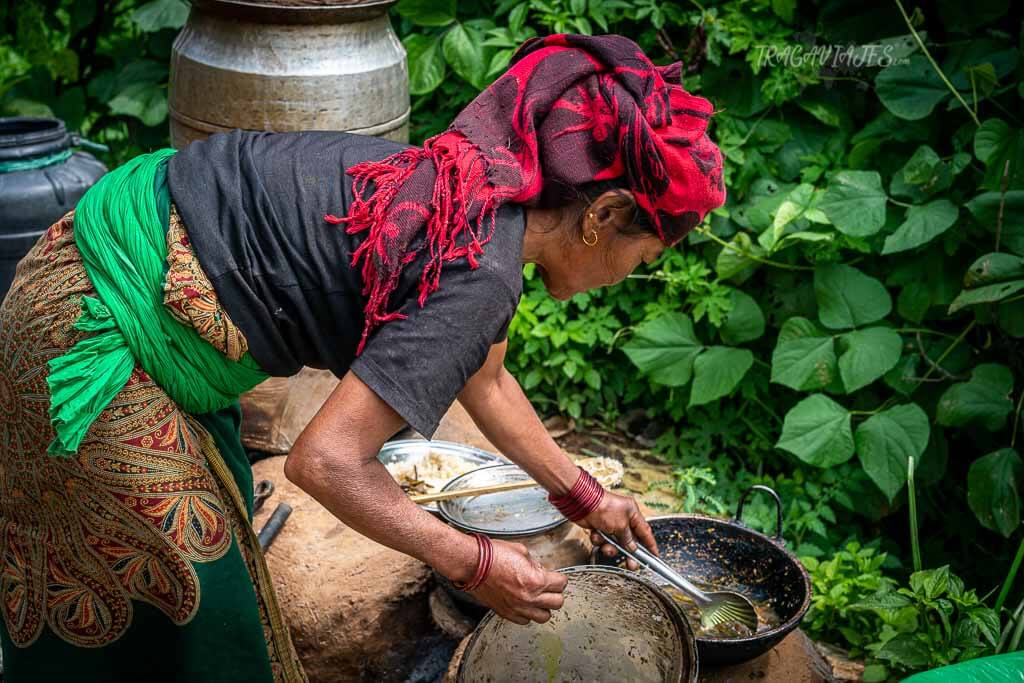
(728, 555)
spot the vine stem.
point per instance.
(1016, 421)
(915, 544)
(732, 247)
(935, 66)
(899, 203)
(925, 330)
(1010, 576)
(938, 363)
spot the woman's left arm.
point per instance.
(498, 406)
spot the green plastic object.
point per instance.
(1007, 668)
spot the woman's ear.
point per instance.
(611, 212)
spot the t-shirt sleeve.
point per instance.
(419, 365)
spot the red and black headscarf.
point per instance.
(570, 110)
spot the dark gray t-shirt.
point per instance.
(253, 205)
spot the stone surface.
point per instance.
(276, 411)
(356, 609)
(794, 660)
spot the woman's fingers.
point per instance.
(643, 532)
(536, 614)
(550, 601)
(556, 582)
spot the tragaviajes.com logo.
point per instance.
(805, 53)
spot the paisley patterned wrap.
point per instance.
(135, 557)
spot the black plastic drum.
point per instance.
(41, 179)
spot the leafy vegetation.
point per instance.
(846, 329)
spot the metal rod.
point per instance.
(274, 525)
(645, 559)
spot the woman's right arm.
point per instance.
(335, 461)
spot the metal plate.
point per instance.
(613, 627)
(413, 451)
(509, 513)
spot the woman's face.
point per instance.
(594, 252)
(579, 267)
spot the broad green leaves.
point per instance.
(996, 143)
(817, 430)
(984, 399)
(910, 90)
(804, 358)
(985, 209)
(993, 490)
(717, 371)
(849, 298)
(426, 64)
(665, 348)
(887, 440)
(160, 14)
(427, 12)
(855, 203)
(745, 322)
(869, 354)
(464, 51)
(923, 224)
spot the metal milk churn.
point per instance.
(287, 65)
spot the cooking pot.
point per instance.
(614, 626)
(522, 516)
(729, 555)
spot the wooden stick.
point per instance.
(478, 491)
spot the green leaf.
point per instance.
(887, 440)
(664, 348)
(731, 262)
(427, 12)
(987, 622)
(855, 203)
(995, 144)
(910, 90)
(870, 353)
(883, 600)
(848, 297)
(931, 584)
(804, 357)
(986, 294)
(426, 65)
(994, 267)
(465, 53)
(146, 102)
(717, 371)
(985, 209)
(817, 430)
(923, 175)
(984, 399)
(744, 322)
(993, 490)
(160, 14)
(907, 650)
(922, 225)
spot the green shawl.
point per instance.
(120, 230)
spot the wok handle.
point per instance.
(778, 508)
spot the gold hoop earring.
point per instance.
(587, 242)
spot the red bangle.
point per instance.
(582, 499)
(485, 550)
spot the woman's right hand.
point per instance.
(518, 588)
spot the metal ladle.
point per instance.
(716, 607)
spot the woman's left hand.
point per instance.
(619, 516)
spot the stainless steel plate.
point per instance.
(509, 513)
(414, 451)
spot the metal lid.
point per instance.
(509, 513)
